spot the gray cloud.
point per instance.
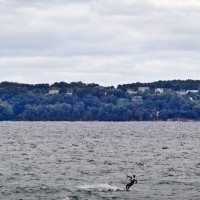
(107, 41)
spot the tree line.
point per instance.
(78, 101)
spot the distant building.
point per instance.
(143, 89)
(69, 92)
(181, 92)
(159, 90)
(192, 91)
(130, 91)
(137, 98)
(54, 91)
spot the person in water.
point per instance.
(133, 180)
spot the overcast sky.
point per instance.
(108, 42)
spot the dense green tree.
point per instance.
(93, 102)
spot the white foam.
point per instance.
(101, 187)
(66, 198)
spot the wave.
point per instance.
(101, 187)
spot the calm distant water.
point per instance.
(90, 160)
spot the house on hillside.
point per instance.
(143, 89)
(192, 91)
(184, 92)
(181, 92)
(159, 90)
(70, 92)
(54, 91)
(137, 98)
(131, 91)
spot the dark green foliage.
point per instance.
(173, 85)
(89, 102)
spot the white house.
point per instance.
(137, 98)
(159, 90)
(130, 91)
(184, 92)
(181, 92)
(143, 89)
(69, 92)
(192, 91)
(54, 91)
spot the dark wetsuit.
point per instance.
(133, 180)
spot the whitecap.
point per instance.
(66, 198)
(101, 187)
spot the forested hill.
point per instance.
(174, 85)
(162, 100)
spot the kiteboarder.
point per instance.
(133, 180)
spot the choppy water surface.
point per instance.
(90, 160)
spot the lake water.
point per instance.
(90, 160)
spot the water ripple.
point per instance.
(90, 160)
